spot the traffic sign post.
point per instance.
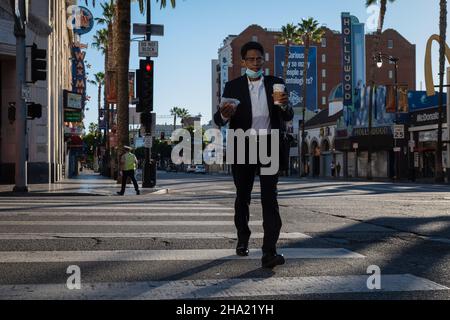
(144, 29)
(148, 49)
(399, 132)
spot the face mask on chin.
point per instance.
(253, 74)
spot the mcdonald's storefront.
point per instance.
(423, 134)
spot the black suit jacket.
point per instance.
(242, 119)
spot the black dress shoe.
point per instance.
(120, 193)
(138, 192)
(242, 250)
(271, 260)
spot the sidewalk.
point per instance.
(86, 184)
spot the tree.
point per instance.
(99, 82)
(376, 50)
(442, 46)
(309, 33)
(183, 113)
(174, 113)
(122, 37)
(288, 37)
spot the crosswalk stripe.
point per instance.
(219, 288)
(116, 214)
(145, 235)
(130, 204)
(168, 255)
(92, 207)
(167, 223)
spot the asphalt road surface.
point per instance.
(341, 240)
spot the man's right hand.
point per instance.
(228, 110)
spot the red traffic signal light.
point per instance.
(145, 86)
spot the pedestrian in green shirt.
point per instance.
(128, 164)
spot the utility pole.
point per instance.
(149, 173)
(21, 108)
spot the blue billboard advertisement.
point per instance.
(294, 79)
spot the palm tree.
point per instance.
(309, 33)
(288, 37)
(174, 112)
(376, 50)
(121, 31)
(442, 46)
(183, 113)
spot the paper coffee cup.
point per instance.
(277, 89)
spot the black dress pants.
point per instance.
(244, 177)
(125, 175)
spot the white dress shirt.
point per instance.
(260, 107)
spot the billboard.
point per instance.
(294, 81)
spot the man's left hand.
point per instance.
(284, 99)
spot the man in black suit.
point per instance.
(257, 111)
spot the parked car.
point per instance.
(190, 168)
(200, 169)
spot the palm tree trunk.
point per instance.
(108, 61)
(383, 8)
(174, 122)
(305, 77)
(443, 28)
(122, 51)
(121, 61)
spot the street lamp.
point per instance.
(379, 59)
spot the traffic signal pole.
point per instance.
(149, 165)
(21, 108)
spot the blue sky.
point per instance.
(195, 29)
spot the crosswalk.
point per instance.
(33, 235)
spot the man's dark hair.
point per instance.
(251, 46)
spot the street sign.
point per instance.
(153, 29)
(72, 116)
(148, 49)
(148, 142)
(399, 131)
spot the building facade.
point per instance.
(47, 28)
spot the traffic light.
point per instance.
(38, 64)
(145, 83)
(34, 110)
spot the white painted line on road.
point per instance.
(218, 288)
(125, 223)
(114, 214)
(144, 235)
(167, 255)
(92, 207)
